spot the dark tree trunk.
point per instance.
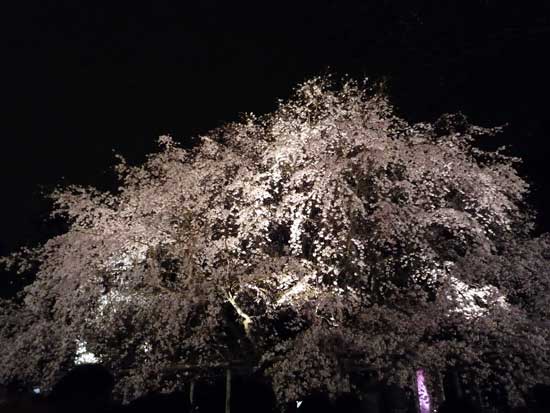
(453, 386)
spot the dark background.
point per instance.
(81, 78)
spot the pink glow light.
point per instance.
(423, 396)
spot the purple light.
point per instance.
(423, 396)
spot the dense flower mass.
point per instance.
(326, 237)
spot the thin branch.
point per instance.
(247, 320)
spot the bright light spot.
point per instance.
(298, 403)
(83, 356)
(423, 396)
(475, 301)
(146, 347)
(36, 390)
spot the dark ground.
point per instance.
(88, 388)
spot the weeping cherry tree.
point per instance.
(327, 237)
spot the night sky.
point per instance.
(82, 79)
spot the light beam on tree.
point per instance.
(424, 401)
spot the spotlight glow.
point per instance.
(423, 396)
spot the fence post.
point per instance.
(191, 394)
(228, 391)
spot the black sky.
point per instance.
(83, 78)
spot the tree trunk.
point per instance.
(371, 399)
(453, 386)
(228, 391)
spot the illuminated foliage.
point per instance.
(327, 236)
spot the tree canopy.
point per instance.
(323, 238)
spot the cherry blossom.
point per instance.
(325, 237)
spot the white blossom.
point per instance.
(83, 356)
